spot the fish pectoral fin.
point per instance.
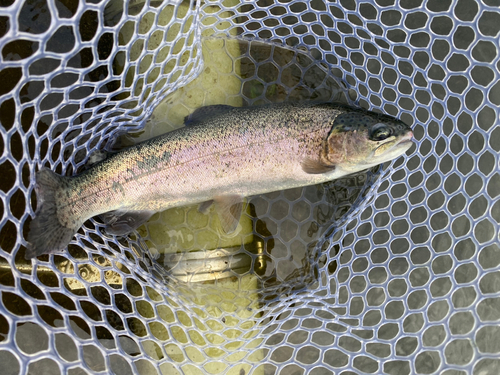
(205, 112)
(229, 209)
(312, 166)
(205, 206)
(119, 223)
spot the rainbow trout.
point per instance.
(223, 155)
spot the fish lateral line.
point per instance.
(226, 151)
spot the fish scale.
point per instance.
(226, 155)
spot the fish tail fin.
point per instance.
(47, 234)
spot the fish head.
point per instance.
(360, 139)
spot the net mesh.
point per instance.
(394, 271)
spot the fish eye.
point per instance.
(380, 133)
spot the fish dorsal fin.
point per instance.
(229, 209)
(206, 112)
(119, 223)
(312, 166)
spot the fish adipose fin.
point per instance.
(229, 209)
(203, 113)
(96, 157)
(47, 235)
(316, 167)
(120, 223)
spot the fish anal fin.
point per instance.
(229, 209)
(206, 112)
(312, 166)
(119, 223)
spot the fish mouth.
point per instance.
(405, 142)
(391, 151)
(407, 138)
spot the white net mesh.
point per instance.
(394, 271)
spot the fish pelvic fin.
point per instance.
(205, 206)
(229, 209)
(47, 235)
